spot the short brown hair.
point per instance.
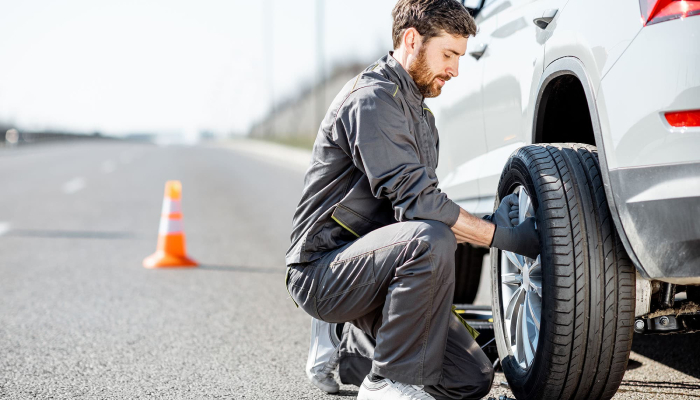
(430, 18)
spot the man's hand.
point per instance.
(507, 214)
(503, 230)
(522, 239)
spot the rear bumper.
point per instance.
(659, 209)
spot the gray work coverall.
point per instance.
(371, 238)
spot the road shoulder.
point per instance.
(286, 156)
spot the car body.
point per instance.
(599, 73)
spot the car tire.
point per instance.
(468, 262)
(585, 278)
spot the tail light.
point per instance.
(655, 11)
(679, 119)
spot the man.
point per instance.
(374, 239)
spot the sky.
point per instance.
(171, 67)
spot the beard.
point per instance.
(426, 81)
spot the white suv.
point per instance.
(590, 111)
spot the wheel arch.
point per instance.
(573, 67)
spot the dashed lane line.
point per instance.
(74, 185)
(4, 228)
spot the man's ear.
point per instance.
(411, 40)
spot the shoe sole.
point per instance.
(325, 388)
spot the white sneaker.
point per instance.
(386, 389)
(323, 356)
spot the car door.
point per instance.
(458, 112)
(511, 74)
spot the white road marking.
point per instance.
(4, 228)
(74, 185)
(108, 166)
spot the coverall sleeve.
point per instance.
(382, 146)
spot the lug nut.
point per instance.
(664, 321)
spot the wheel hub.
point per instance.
(521, 295)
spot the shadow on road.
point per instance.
(680, 352)
(255, 270)
(662, 385)
(346, 393)
(666, 388)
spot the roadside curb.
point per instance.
(286, 156)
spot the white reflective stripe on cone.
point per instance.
(170, 226)
(171, 206)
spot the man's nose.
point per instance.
(453, 70)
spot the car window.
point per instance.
(493, 7)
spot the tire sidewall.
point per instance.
(522, 382)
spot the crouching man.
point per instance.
(374, 239)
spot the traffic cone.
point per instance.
(171, 235)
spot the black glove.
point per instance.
(507, 213)
(522, 239)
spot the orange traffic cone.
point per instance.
(171, 236)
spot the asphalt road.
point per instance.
(81, 318)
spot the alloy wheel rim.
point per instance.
(521, 295)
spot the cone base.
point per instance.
(162, 260)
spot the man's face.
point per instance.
(437, 62)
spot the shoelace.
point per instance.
(414, 391)
(331, 365)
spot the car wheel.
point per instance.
(563, 321)
(468, 261)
